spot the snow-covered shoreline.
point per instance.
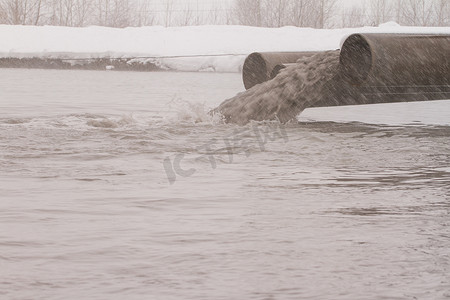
(197, 48)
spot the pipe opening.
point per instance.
(276, 70)
(255, 70)
(356, 59)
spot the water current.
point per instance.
(119, 185)
(287, 95)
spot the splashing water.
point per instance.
(105, 122)
(296, 88)
(187, 112)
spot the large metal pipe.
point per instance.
(258, 66)
(396, 59)
(381, 68)
(377, 68)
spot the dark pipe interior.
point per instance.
(356, 59)
(254, 71)
(277, 70)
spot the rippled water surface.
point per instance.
(118, 185)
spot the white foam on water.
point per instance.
(76, 122)
(105, 122)
(189, 112)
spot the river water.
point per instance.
(118, 185)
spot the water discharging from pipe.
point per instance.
(296, 88)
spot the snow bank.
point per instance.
(146, 43)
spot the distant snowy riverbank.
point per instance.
(198, 48)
